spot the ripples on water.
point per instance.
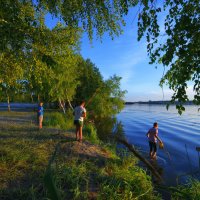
(180, 134)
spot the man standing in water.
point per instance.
(79, 115)
(152, 135)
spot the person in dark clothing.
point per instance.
(152, 135)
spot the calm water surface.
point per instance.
(180, 134)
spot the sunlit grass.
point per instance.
(88, 170)
(58, 120)
(24, 154)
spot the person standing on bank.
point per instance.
(79, 115)
(40, 114)
(152, 135)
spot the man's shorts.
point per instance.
(152, 146)
(78, 123)
(40, 117)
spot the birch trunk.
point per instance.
(70, 105)
(62, 105)
(31, 97)
(8, 101)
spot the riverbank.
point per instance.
(48, 163)
(51, 164)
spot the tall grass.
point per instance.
(58, 120)
(73, 179)
(191, 191)
(90, 133)
(25, 153)
(122, 179)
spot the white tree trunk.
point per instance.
(8, 101)
(70, 105)
(62, 105)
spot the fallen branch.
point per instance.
(137, 154)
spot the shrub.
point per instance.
(90, 133)
(58, 120)
(121, 179)
(189, 191)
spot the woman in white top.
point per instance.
(79, 115)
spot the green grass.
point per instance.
(191, 191)
(24, 154)
(58, 120)
(50, 164)
(90, 133)
(122, 179)
(23, 163)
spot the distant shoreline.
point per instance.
(157, 102)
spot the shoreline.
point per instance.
(158, 102)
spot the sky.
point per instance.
(127, 58)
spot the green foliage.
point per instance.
(53, 63)
(90, 80)
(22, 21)
(58, 120)
(191, 191)
(105, 127)
(33, 51)
(108, 99)
(179, 51)
(121, 179)
(26, 154)
(91, 15)
(23, 161)
(90, 132)
(49, 180)
(75, 176)
(104, 99)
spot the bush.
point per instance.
(121, 180)
(189, 191)
(58, 120)
(90, 133)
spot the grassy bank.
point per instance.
(51, 164)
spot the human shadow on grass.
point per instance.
(31, 186)
(35, 134)
(25, 187)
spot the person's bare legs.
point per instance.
(80, 133)
(40, 122)
(77, 132)
(154, 155)
(150, 154)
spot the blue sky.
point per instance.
(127, 58)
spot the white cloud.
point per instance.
(155, 95)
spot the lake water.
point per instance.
(180, 134)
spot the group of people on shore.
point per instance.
(80, 114)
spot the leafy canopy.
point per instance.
(179, 50)
(22, 24)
